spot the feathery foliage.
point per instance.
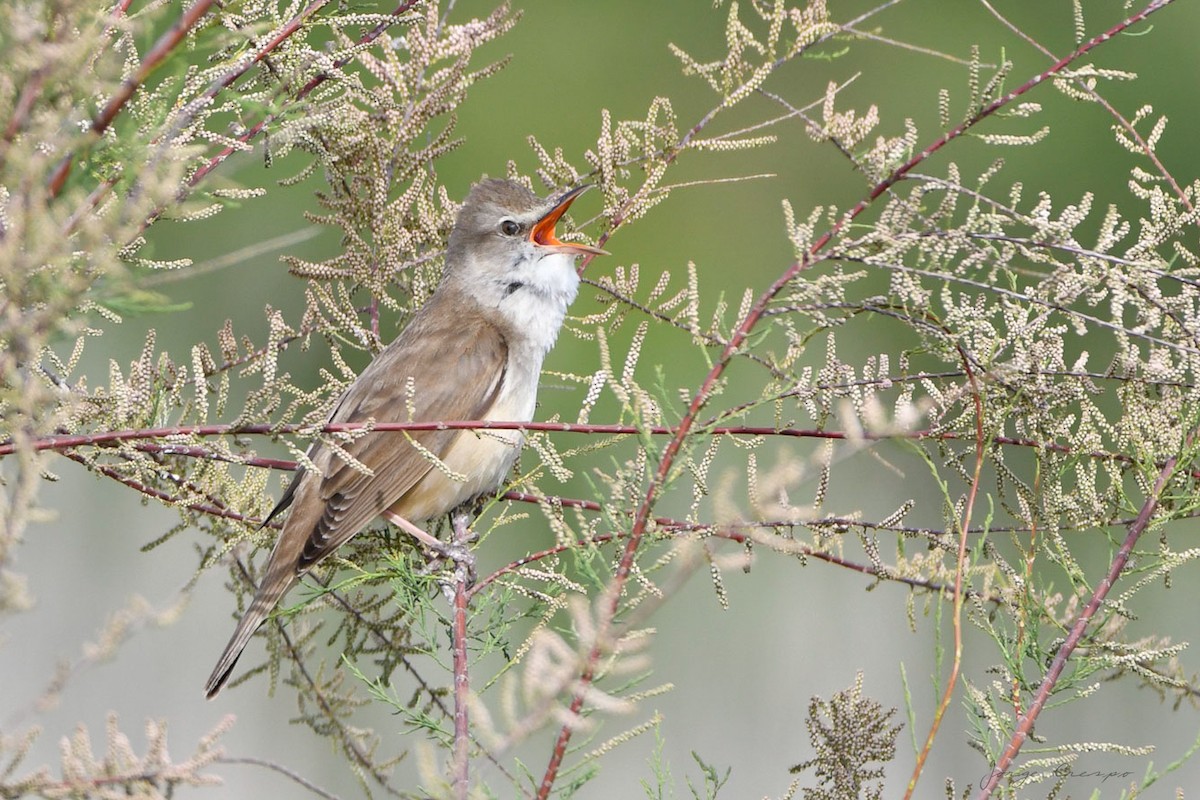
(1036, 390)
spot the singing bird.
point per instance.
(473, 351)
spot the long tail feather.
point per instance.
(264, 600)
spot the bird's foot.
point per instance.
(464, 563)
(460, 551)
(461, 576)
(456, 552)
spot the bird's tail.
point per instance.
(272, 588)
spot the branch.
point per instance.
(288, 29)
(1125, 124)
(732, 531)
(109, 438)
(363, 759)
(303, 92)
(215, 508)
(463, 576)
(282, 770)
(64, 442)
(960, 568)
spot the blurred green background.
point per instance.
(744, 676)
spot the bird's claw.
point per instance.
(463, 575)
(464, 562)
(460, 555)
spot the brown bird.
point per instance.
(473, 351)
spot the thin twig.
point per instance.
(928, 51)
(212, 509)
(960, 568)
(734, 532)
(362, 759)
(289, 29)
(291, 775)
(241, 255)
(1125, 124)
(303, 92)
(63, 442)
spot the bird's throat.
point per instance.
(535, 308)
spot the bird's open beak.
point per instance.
(543, 232)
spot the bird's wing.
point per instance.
(464, 384)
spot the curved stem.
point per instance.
(157, 54)
(959, 573)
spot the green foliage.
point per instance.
(1041, 371)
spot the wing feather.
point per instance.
(445, 386)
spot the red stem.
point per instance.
(29, 94)
(1083, 86)
(194, 179)
(313, 83)
(67, 441)
(104, 438)
(196, 451)
(959, 575)
(211, 509)
(463, 575)
(730, 532)
(284, 33)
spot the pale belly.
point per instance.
(479, 460)
(483, 458)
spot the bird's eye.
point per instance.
(509, 227)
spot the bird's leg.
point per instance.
(457, 550)
(470, 511)
(432, 542)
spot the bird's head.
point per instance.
(505, 248)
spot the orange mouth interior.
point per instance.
(543, 231)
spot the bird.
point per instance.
(474, 350)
